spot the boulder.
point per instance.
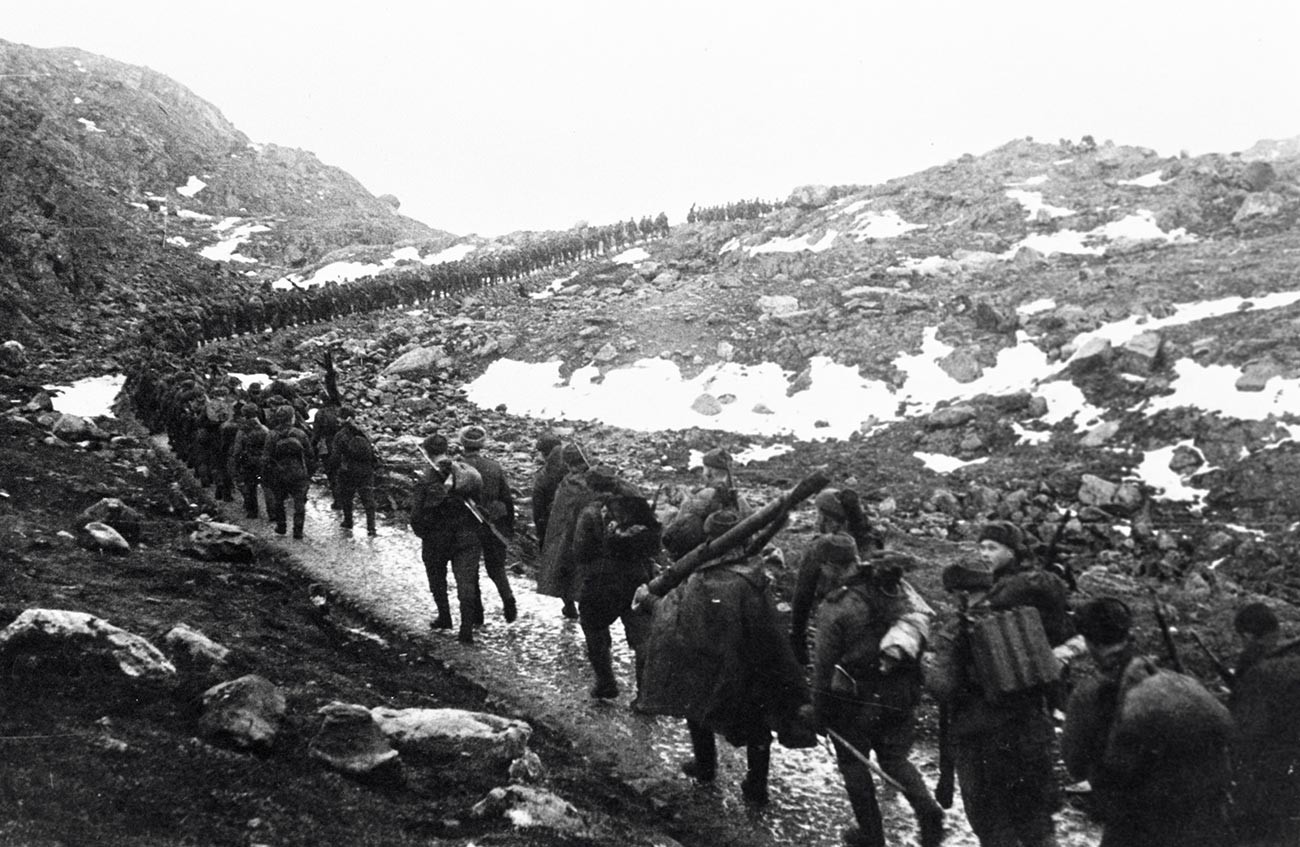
(962, 366)
(607, 353)
(776, 305)
(221, 542)
(115, 513)
(1141, 353)
(1095, 491)
(1095, 352)
(349, 740)
(726, 350)
(810, 196)
(190, 649)
(101, 536)
(85, 640)
(1101, 434)
(950, 416)
(990, 318)
(449, 733)
(1185, 460)
(244, 713)
(530, 807)
(422, 361)
(1037, 406)
(1256, 374)
(13, 357)
(707, 404)
(527, 768)
(1257, 176)
(75, 428)
(40, 402)
(1265, 205)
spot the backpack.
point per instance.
(356, 449)
(288, 449)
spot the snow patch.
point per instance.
(191, 187)
(178, 241)
(940, 463)
(1035, 306)
(886, 224)
(1035, 205)
(1155, 471)
(224, 250)
(89, 125)
(1029, 183)
(791, 244)
(1213, 388)
(1150, 180)
(454, 253)
(87, 398)
(760, 454)
(631, 257)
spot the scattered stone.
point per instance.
(776, 305)
(245, 713)
(112, 511)
(74, 428)
(810, 196)
(85, 639)
(528, 807)
(1141, 353)
(1096, 352)
(1095, 491)
(40, 402)
(527, 768)
(1100, 434)
(422, 361)
(1037, 406)
(1265, 205)
(726, 350)
(101, 536)
(192, 650)
(1185, 460)
(950, 416)
(222, 542)
(992, 319)
(962, 366)
(13, 357)
(349, 740)
(448, 733)
(607, 353)
(1256, 374)
(707, 404)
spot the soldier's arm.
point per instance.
(828, 651)
(801, 605)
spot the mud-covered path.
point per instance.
(537, 667)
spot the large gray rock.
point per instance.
(92, 642)
(530, 807)
(950, 416)
(707, 404)
(193, 650)
(1101, 434)
(1256, 374)
(810, 196)
(776, 305)
(1141, 353)
(76, 428)
(100, 536)
(1095, 491)
(1265, 205)
(222, 542)
(13, 357)
(349, 740)
(1095, 352)
(962, 366)
(422, 361)
(449, 733)
(115, 513)
(245, 713)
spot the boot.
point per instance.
(599, 653)
(466, 634)
(443, 621)
(370, 524)
(754, 786)
(297, 527)
(570, 610)
(704, 767)
(930, 825)
(347, 517)
(638, 659)
(509, 610)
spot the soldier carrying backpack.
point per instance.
(353, 459)
(245, 463)
(287, 465)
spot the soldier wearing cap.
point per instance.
(546, 481)
(557, 575)
(1003, 745)
(449, 533)
(353, 461)
(838, 512)
(614, 546)
(871, 633)
(685, 531)
(497, 502)
(717, 657)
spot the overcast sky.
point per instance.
(489, 117)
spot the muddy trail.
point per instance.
(536, 667)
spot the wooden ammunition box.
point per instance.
(1011, 652)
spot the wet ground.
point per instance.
(537, 665)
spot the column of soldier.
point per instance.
(1166, 762)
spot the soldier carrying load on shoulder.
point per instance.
(871, 633)
(686, 531)
(352, 460)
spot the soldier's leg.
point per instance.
(250, 495)
(758, 756)
(704, 765)
(600, 653)
(299, 495)
(435, 568)
(367, 494)
(636, 627)
(275, 506)
(464, 567)
(983, 797)
(345, 493)
(494, 562)
(858, 784)
(892, 741)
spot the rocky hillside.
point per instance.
(118, 186)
